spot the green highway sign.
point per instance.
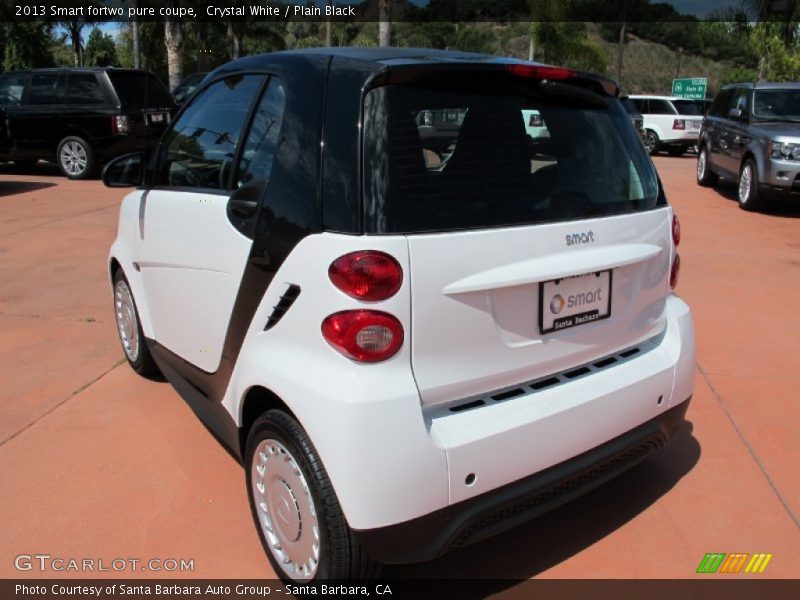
(693, 88)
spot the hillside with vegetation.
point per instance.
(583, 34)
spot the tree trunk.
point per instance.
(620, 52)
(385, 23)
(173, 40)
(328, 31)
(137, 51)
(234, 41)
(531, 48)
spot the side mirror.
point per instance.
(736, 113)
(124, 171)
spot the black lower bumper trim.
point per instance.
(434, 534)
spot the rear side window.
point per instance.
(139, 89)
(642, 105)
(42, 89)
(11, 88)
(84, 88)
(198, 151)
(661, 107)
(688, 107)
(488, 167)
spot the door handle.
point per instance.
(243, 207)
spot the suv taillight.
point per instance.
(675, 271)
(120, 124)
(676, 262)
(676, 230)
(679, 124)
(367, 275)
(364, 335)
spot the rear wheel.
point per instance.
(297, 514)
(749, 198)
(75, 158)
(651, 142)
(705, 176)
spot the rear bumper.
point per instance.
(477, 518)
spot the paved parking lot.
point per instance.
(96, 462)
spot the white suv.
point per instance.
(411, 344)
(670, 123)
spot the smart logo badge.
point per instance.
(719, 562)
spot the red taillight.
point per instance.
(676, 230)
(540, 71)
(679, 124)
(675, 271)
(120, 124)
(367, 275)
(364, 335)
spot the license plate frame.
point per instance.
(574, 286)
(156, 118)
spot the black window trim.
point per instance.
(156, 159)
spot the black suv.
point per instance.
(82, 117)
(752, 134)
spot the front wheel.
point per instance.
(705, 176)
(296, 512)
(749, 198)
(76, 159)
(651, 142)
(130, 329)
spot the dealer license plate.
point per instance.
(573, 301)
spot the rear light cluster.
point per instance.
(120, 124)
(676, 262)
(365, 335)
(679, 124)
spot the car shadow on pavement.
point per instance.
(9, 188)
(778, 207)
(530, 549)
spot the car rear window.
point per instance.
(441, 159)
(138, 89)
(688, 107)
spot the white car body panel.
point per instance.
(191, 260)
(476, 300)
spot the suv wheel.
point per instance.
(76, 158)
(651, 142)
(705, 176)
(130, 329)
(748, 186)
(297, 514)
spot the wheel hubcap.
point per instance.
(285, 509)
(701, 165)
(73, 158)
(650, 142)
(745, 181)
(126, 320)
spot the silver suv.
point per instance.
(752, 134)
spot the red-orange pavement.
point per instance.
(98, 463)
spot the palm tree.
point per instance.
(385, 22)
(173, 40)
(137, 53)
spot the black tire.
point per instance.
(340, 555)
(76, 158)
(705, 176)
(749, 199)
(651, 142)
(140, 360)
